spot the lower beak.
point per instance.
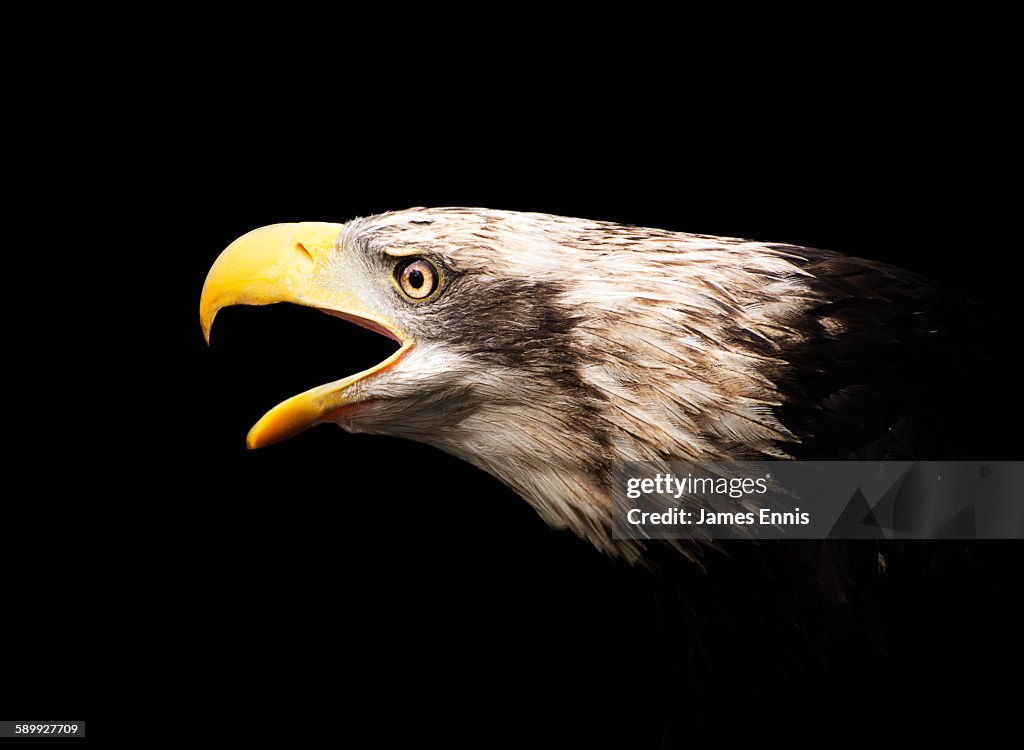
(284, 263)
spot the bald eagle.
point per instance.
(542, 349)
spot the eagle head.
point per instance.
(543, 348)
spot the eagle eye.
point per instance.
(417, 278)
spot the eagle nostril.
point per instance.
(302, 249)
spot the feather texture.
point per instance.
(560, 345)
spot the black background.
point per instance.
(372, 583)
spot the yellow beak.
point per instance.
(284, 263)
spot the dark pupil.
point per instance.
(416, 278)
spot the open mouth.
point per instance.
(279, 263)
(324, 403)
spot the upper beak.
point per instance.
(284, 263)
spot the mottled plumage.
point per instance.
(559, 345)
